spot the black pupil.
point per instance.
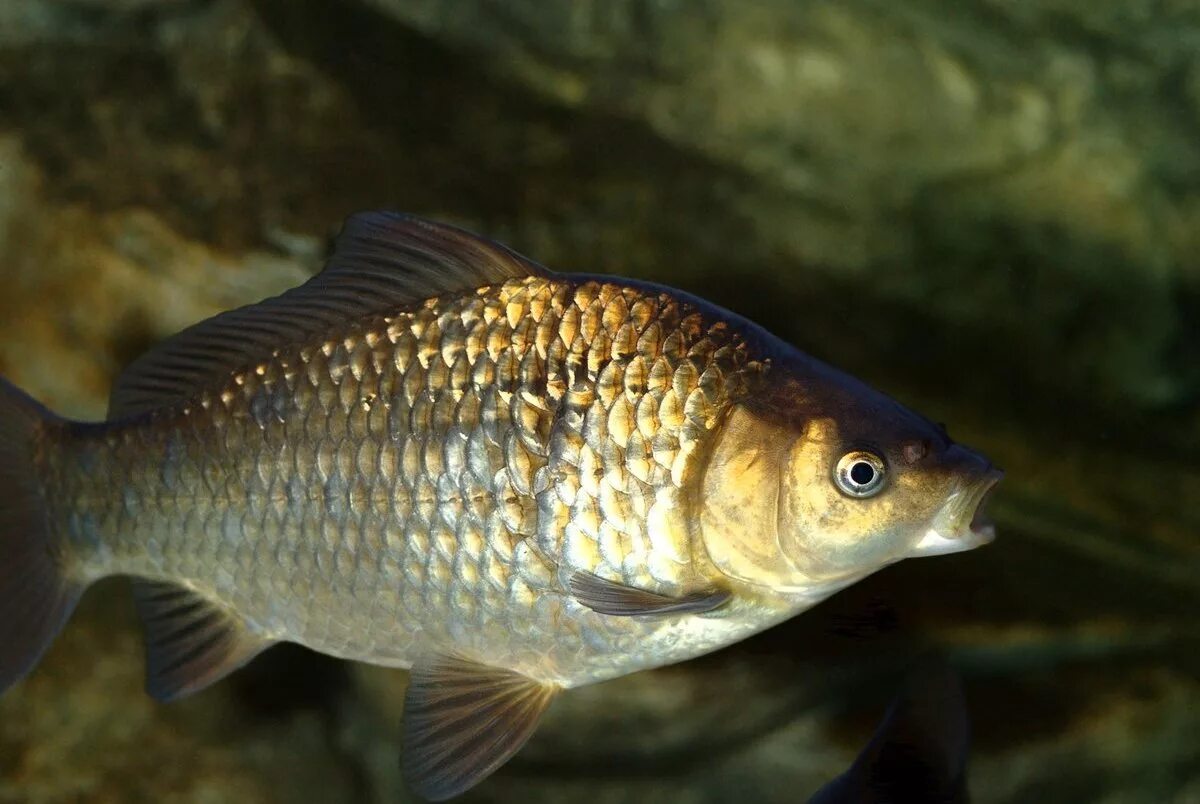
(862, 473)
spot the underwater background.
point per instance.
(989, 209)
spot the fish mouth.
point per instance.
(965, 523)
(981, 525)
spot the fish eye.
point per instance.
(860, 473)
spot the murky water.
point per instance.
(986, 210)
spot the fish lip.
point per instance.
(967, 524)
(981, 525)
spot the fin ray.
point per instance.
(609, 597)
(37, 595)
(190, 641)
(382, 261)
(463, 720)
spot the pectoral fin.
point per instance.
(609, 597)
(463, 720)
(190, 641)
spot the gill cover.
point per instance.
(739, 514)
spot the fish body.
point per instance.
(430, 479)
(439, 455)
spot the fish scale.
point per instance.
(437, 454)
(432, 473)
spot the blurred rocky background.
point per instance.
(990, 208)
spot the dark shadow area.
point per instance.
(287, 678)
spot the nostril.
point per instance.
(913, 451)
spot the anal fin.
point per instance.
(463, 720)
(609, 597)
(190, 641)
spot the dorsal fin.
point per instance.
(382, 262)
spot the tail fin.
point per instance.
(36, 597)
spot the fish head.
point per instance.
(828, 480)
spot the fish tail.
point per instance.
(37, 594)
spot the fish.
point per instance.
(919, 751)
(439, 455)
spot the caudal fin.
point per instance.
(36, 597)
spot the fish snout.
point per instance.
(963, 523)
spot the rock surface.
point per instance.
(989, 209)
(1014, 167)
